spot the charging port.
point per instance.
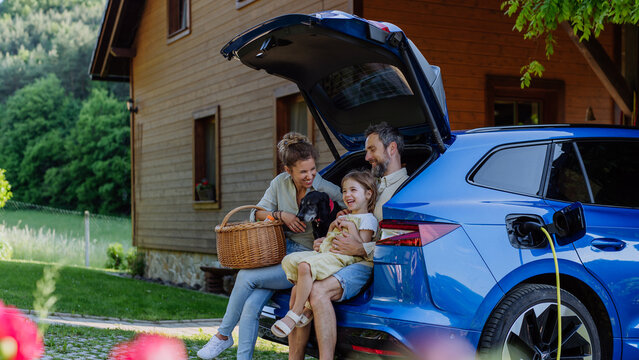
(523, 231)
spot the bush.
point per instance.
(135, 262)
(5, 250)
(5, 189)
(115, 254)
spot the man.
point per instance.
(384, 146)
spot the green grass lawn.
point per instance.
(94, 292)
(103, 228)
(58, 236)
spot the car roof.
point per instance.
(495, 136)
(547, 126)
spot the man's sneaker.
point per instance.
(214, 347)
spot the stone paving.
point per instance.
(167, 327)
(83, 345)
(78, 347)
(73, 347)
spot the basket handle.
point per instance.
(243, 207)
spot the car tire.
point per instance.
(524, 326)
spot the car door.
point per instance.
(604, 176)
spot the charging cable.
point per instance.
(554, 256)
(526, 228)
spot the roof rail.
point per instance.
(546, 126)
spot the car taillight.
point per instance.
(403, 233)
(379, 25)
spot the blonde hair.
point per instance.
(368, 182)
(295, 147)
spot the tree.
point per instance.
(540, 18)
(26, 7)
(45, 153)
(45, 140)
(99, 150)
(32, 123)
(38, 37)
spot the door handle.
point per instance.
(608, 244)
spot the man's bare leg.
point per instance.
(322, 295)
(297, 341)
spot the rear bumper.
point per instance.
(371, 337)
(354, 343)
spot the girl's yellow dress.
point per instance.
(326, 263)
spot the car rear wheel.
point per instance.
(524, 326)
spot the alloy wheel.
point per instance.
(533, 335)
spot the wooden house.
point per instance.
(195, 115)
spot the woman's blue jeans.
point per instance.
(252, 290)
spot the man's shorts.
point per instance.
(353, 278)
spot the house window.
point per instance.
(517, 112)
(508, 104)
(292, 115)
(179, 18)
(206, 161)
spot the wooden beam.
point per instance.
(605, 69)
(123, 52)
(112, 35)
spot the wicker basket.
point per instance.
(248, 245)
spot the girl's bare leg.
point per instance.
(303, 287)
(293, 295)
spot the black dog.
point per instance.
(318, 209)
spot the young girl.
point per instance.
(359, 193)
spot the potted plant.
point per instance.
(205, 190)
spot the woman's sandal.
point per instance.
(280, 329)
(305, 319)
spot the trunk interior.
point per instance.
(413, 158)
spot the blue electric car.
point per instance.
(453, 264)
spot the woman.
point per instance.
(254, 287)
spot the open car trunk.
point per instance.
(352, 73)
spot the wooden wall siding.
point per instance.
(469, 39)
(171, 82)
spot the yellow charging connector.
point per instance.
(554, 256)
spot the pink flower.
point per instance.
(19, 338)
(149, 347)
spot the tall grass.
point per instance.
(44, 234)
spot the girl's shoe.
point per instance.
(280, 329)
(306, 317)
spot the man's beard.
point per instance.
(379, 169)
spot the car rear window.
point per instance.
(517, 169)
(567, 182)
(360, 84)
(612, 168)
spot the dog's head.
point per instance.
(315, 205)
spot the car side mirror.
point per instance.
(568, 224)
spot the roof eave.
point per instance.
(118, 29)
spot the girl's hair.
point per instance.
(295, 147)
(368, 182)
